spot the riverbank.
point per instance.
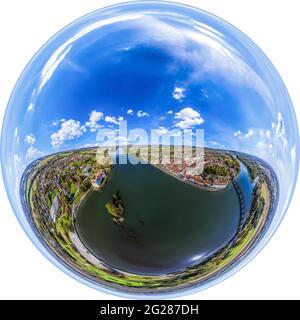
(212, 188)
(64, 173)
(219, 167)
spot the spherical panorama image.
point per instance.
(149, 149)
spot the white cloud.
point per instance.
(166, 134)
(57, 122)
(58, 56)
(280, 130)
(61, 52)
(17, 162)
(30, 139)
(141, 114)
(188, 118)
(120, 118)
(211, 51)
(130, 112)
(30, 107)
(178, 93)
(17, 137)
(218, 57)
(95, 117)
(215, 144)
(33, 153)
(271, 145)
(204, 93)
(253, 132)
(264, 145)
(18, 169)
(293, 154)
(111, 119)
(162, 130)
(70, 129)
(250, 133)
(266, 133)
(51, 65)
(170, 112)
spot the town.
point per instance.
(212, 171)
(218, 170)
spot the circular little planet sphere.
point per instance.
(149, 149)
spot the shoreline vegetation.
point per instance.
(116, 208)
(53, 187)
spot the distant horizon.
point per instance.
(209, 148)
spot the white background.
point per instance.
(26, 25)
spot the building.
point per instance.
(98, 179)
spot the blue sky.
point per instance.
(147, 82)
(156, 67)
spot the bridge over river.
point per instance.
(242, 204)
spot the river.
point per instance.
(168, 224)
